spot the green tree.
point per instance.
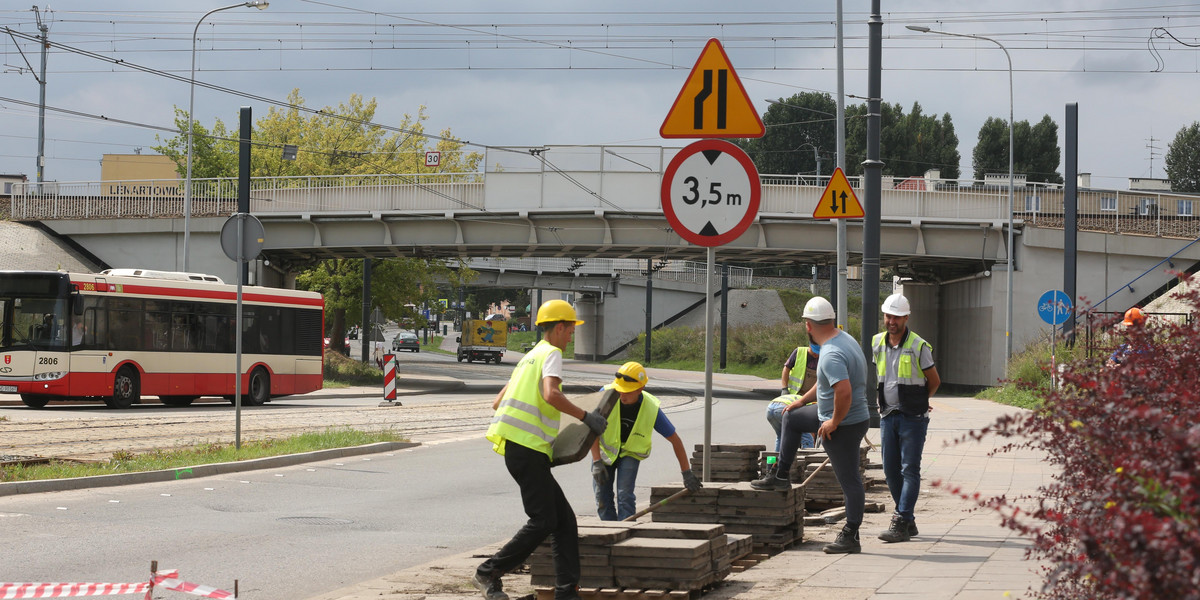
(397, 286)
(1036, 155)
(1183, 159)
(909, 144)
(214, 153)
(795, 126)
(337, 141)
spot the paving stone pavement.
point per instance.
(960, 554)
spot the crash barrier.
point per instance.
(164, 580)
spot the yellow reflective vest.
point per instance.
(796, 383)
(524, 417)
(637, 444)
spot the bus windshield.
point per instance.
(33, 323)
(33, 311)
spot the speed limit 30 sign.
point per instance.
(711, 192)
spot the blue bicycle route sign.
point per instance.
(1054, 307)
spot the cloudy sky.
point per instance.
(588, 72)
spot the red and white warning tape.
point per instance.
(161, 580)
(166, 580)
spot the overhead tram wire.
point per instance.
(239, 93)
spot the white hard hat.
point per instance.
(819, 309)
(896, 305)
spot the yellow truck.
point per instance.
(483, 339)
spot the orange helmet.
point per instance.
(1135, 316)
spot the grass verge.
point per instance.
(173, 458)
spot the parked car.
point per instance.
(406, 340)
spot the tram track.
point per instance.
(96, 435)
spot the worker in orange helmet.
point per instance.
(1134, 318)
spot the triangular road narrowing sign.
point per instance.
(838, 201)
(712, 103)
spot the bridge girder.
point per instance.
(958, 248)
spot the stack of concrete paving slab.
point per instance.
(642, 556)
(729, 462)
(596, 567)
(774, 518)
(823, 491)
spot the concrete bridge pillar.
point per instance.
(590, 335)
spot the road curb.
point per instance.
(12, 488)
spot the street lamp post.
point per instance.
(187, 184)
(1009, 305)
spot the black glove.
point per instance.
(599, 472)
(596, 422)
(784, 392)
(690, 481)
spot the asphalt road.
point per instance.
(297, 532)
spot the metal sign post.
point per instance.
(1054, 307)
(710, 196)
(242, 238)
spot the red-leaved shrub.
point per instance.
(1121, 518)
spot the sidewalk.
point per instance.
(960, 554)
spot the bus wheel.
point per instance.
(35, 400)
(126, 389)
(178, 400)
(259, 390)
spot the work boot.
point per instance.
(897, 531)
(912, 528)
(770, 469)
(846, 542)
(771, 482)
(491, 587)
(568, 594)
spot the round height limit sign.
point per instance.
(710, 192)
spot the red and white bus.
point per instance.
(123, 334)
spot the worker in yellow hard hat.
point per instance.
(625, 443)
(523, 430)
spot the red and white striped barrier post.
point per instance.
(389, 377)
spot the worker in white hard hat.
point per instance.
(907, 378)
(523, 430)
(625, 443)
(839, 417)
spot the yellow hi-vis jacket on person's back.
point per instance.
(524, 417)
(796, 382)
(638, 443)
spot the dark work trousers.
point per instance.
(842, 447)
(549, 514)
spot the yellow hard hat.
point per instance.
(631, 377)
(552, 311)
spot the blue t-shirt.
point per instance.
(841, 359)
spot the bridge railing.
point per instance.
(630, 183)
(164, 198)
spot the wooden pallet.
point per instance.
(751, 559)
(545, 593)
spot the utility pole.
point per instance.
(44, 43)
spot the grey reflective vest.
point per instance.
(913, 389)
